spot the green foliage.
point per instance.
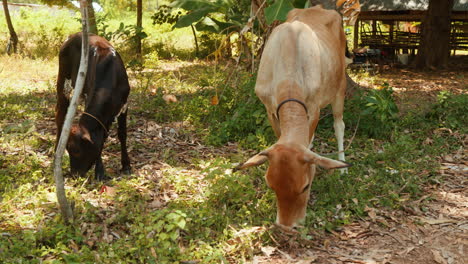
(278, 11)
(164, 14)
(381, 104)
(125, 36)
(40, 33)
(375, 110)
(202, 13)
(450, 111)
(244, 118)
(208, 42)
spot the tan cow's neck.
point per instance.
(293, 124)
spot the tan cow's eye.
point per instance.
(305, 188)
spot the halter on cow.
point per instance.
(301, 71)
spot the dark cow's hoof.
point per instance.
(102, 177)
(126, 171)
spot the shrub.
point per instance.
(450, 111)
(375, 110)
(243, 118)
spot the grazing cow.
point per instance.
(302, 70)
(105, 93)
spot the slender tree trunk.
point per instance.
(65, 207)
(197, 49)
(92, 18)
(139, 27)
(13, 36)
(434, 47)
(256, 5)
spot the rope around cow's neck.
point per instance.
(99, 121)
(305, 108)
(290, 100)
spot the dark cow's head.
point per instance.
(82, 150)
(290, 175)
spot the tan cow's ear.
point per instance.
(313, 158)
(256, 160)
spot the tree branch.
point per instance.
(65, 207)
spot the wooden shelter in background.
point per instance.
(394, 25)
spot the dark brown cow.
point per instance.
(105, 93)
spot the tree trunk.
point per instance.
(92, 18)
(65, 208)
(256, 5)
(197, 49)
(139, 27)
(434, 48)
(13, 37)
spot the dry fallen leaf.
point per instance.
(428, 141)
(268, 251)
(437, 221)
(371, 212)
(108, 190)
(438, 257)
(153, 252)
(155, 204)
(214, 100)
(169, 98)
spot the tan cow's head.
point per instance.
(290, 175)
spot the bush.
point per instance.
(450, 111)
(375, 110)
(41, 32)
(243, 118)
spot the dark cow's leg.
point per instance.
(122, 134)
(99, 169)
(61, 107)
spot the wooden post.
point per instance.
(65, 207)
(139, 28)
(356, 34)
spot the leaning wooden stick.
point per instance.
(65, 207)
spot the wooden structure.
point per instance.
(395, 25)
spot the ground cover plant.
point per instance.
(183, 203)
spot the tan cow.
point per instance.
(301, 71)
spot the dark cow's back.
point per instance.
(105, 94)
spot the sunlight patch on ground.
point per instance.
(460, 202)
(24, 75)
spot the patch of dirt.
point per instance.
(418, 89)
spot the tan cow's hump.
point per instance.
(314, 16)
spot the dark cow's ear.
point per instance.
(85, 135)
